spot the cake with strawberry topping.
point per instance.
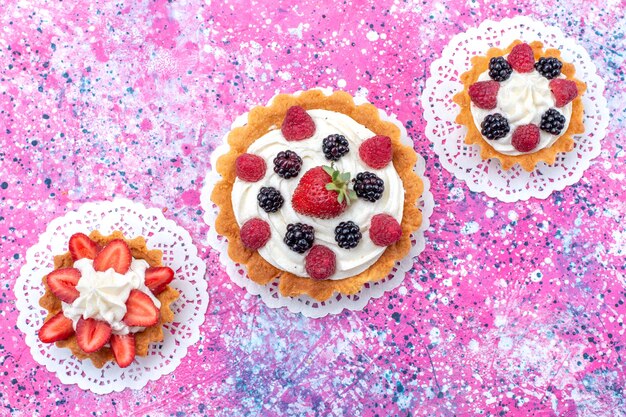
(107, 298)
(319, 193)
(521, 105)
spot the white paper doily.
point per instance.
(464, 161)
(179, 253)
(304, 304)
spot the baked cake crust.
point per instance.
(564, 143)
(263, 119)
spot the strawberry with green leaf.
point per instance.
(323, 192)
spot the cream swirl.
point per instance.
(349, 261)
(103, 294)
(522, 99)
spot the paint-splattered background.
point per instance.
(513, 309)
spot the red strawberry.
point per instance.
(157, 278)
(484, 94)
(62, 283)
(563, 90)
(123, 347)
(323, 193)
(255, 233)
(57, 328)
(92, 334)
(115, 255)
(298, 125)
(384, 230)
(376, 152)
(320, 262)
(525, 138)
(140, 310)
(521, 58)
(250, 167)
(82, 247)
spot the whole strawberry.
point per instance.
(323, 193)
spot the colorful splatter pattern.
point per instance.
(513, 308)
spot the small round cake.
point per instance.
(319, 193)
(521, 105)
(107, 298)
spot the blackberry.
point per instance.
(269, 199)
(287, 164)
(549, 67)
(299, 237)
(335, 146)
(552, 122)
(347, 235)
(367, 185)
(499, 69)
(495, 126)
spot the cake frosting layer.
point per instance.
(349, 261)
(522, 99)
(103, 294)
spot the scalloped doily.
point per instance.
(464, 161)
(303, 304)
(132, 219)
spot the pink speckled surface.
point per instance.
(512, 309)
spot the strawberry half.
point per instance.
(123, 347)
(115, 255)
(140, 310)
(323, 193)
(82, 247)
(57, 328)
(62, 283)
(92, 334)
(157, 278)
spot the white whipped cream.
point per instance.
(349, 261)
(103, 294)
(522, 99)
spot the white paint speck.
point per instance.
(470, 228)
(372, 36)
(513, 216)
(489, 214)
(536, 276)
(341, 83)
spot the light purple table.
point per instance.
(520, 314)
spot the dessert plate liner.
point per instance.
(463, 160)
(303, 304)
(132, 219)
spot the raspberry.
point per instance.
(525, 138)
(250, 167)
(269, 199)
(552, 122)
(549, 67)
(369, 186)
(320, 262)
(287, 164)
(298, 125)
(255, 233)
(384, 230)
(495, 126)
(563, 91)
(347, 235)
(376, 152)
(335, 146)
(484, 94)
(299, 237)
(522, 58)
(499, 69)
